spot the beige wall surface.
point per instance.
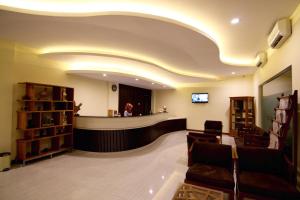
(6, 57)
(21, 64)
(283, 83)
(179, 102)
(280, 59)
(113, 97)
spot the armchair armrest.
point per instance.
(256, 140)
(190, 157)
(289, 170)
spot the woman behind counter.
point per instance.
(128, 110)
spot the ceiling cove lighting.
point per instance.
(121, 54)
(92, 8)
(80, 66)
(235, 21)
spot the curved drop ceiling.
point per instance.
(182, 43)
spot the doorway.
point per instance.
(279, 85)
(140, 98)
(271, 89)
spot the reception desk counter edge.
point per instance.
(98, 134)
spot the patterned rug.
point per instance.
(191, 192)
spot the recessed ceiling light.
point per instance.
(151, 191)
(104, 75)
(235, 21)
(136, 79)
(233, 73)
(152, 83)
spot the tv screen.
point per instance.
(200, 98)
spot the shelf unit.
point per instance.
(242, 113)
(45, 119)
(284, 113)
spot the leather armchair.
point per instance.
(255, 136)
(213, 127)
(201, 137)
(263, 172)
(211, 165)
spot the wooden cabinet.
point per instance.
(241, 113)
(45, 119)
(140, 98)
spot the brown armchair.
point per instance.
(213, 127)
(254, 136)
(263, 172)
(211, 165)
(201, 137)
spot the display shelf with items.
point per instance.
(45, 117)
(241, 113)
(286, 110)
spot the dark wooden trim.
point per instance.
(140, 98)
(121, 140)
(289, 68)
(197, 130)
(295, 134)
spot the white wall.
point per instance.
(113, 97)
(287, 55)
(281, 84)
(6, 56)
(179, 103)
(21, 64)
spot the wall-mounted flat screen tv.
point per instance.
(199, 97)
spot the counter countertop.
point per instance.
(120, 117)
(118, 123)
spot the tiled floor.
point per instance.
(151, 172)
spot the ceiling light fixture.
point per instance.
(233, 73)
(151, 191)
(104, 75)
(235, 21)
(136, 79)
(152, 83)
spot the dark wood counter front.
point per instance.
(121, 140)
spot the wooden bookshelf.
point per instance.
(45, 119)
(241, 113)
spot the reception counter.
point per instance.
(110, 134)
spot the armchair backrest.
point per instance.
(260, 160)
(211, 126)
(201, 137)
(212, 154)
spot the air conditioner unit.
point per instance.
(261, 59)
(280, 33)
